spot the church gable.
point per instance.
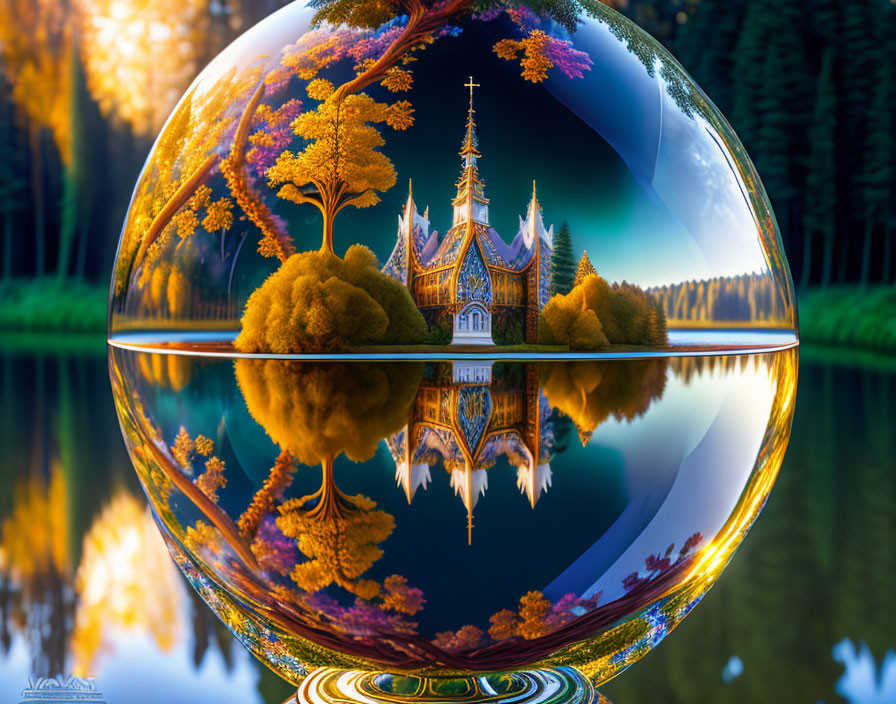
(473, 281)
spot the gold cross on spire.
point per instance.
(471, 86)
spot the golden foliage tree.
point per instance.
(35, 41)
(342, 165)
(594, 314)
(184, 159)
(140, 55)
(534, 610)
(275, 242)
(212, 479)
(165, 370)
(566, 321)
(34, 538)
(534, 62)
(317, 302)
(315, 412)
(466, 638)
(121, 548)
(36, 50)
(504, 625)
(339, 534)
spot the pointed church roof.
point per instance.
(533, 481)
(413, 228)
(410, 477)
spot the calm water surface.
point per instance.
(803, 614)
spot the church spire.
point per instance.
(534, 206)
(470, 204)
(469, 150)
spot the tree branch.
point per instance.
(181, 196)
(209, 509)
(234, 170)
(421, 23)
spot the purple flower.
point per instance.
(275, 551)
(571, 61)
(491, 13)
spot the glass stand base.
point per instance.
(560, 685)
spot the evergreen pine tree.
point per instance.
(819, 216)
(585, 269)
(704, 46)
(878, 167)
(749, 65)
(784, 107)
(563, 266)
(889, 31)
(860, 22)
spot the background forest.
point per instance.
(808, 85)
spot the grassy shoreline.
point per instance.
(850, 316)
(51, 305)
(40, 309)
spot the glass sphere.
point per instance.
(455, 348)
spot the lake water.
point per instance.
(87, 587)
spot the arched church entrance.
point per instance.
(473, 325)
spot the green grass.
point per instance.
(850, 316)
(459, 349)
(50, 305)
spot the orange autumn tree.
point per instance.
(316, 412)
(340, 534)
(341, 166)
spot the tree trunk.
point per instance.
(37, 195)
(181, 195)
(866, 252)
(806, 274)
(236, 254)
(888, 255)
(828, 260)
(843, 263)
(81, 263)
(7, 246)
(327, 244)
(215, 515)
(233, 169)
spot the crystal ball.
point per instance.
(454, 346)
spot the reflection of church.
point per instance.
(463, 419)
(472, 274)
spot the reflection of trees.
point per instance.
(340, 535)
(120, 549)
(34, 561)
(316, 412)
(590, 392)
(816, 568)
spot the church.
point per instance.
(471, 274)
